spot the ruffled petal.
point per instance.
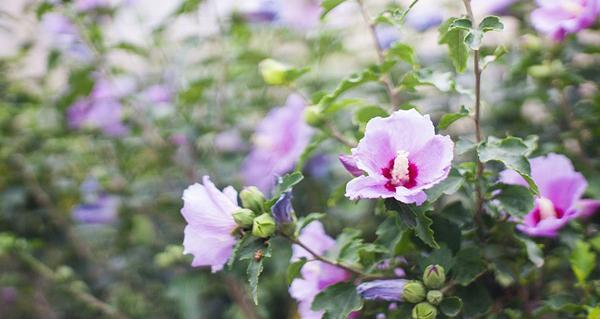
(368, 187)
(587, 207)
(208, 248)
(433, 160)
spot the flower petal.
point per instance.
(433, 160)
(368, 187)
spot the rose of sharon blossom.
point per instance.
(316, 275)
(401, 156)
(208, 213)
(561, 188)
(558, 18)
(278, 143)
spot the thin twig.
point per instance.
(386, 78)
(75, 290)
(339, 136)
(477, 119)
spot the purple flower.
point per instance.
(424, 16)
(402, 157)
(279, 141)
(316, 275)
(486, 7)
(64, 37)
(229, 141)
(101, 109)
(350, 165)
(282, 210)
(300, 14)
(89, 5)
(561, 188)
(389, 290)
(263, 11)
(558, 18)
(386, 36)
(158, 94)
(208, 213)
(97, 207)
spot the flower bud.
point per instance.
(273, 72)
(434, 297)
(389, 290)
(414, 292)
(282, 210)
(244, 217)
(263, 226)
(253, 199)
(313, 116)
(434, 276)
(424, 311)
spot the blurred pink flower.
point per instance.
(64, 37)
(558, 18)
(208, 213)
(88, 5)
(486, 7)
(402, 157)
(279, 141)
(300, 14)
(561, 188)
(97, 207)
(316, 275)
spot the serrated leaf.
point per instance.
(511, 151)
(450, 118)
(414, 217)
(338, 301)
(468, 265)
(294, 269)
(423, 229)
(329, 5)
(448, 186)
(491, 23)
(255, 268)
(463, 145)
(403, 52)
(583, 260)
(454, 38)
(451, 306)
(515, 200)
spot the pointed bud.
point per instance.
(313, 116)
(273, 72)
(263, 226)
(434, 297)
(253, 199)
(434, 276)
(389, 289)
(244, 217)
(282, 210)
(414, 292)
(424, 311)
(350, 165)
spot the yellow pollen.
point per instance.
(400, 169)
(546, 208)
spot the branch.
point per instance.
(385, 79)
(477, 119)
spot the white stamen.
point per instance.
(546, 208)
(400, 169)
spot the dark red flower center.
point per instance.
(546, 209)
(400, 172)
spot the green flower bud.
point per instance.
(424, 311)
(252, 198)
(313, 116)
(263, 226)
(244, 217)
(273, 72)
(413, 292)
(434, 297)
(434, 276)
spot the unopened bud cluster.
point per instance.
(255, 217)
(426, 295)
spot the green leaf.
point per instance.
(515, 200)
(286, 183)
(499, 52)
(462, 24)
(454, 38)
(294, 269)
(414, 217)
(473, 39)
(303, 221)
(448, 186)
(534, 253)
(338, 301)
(583, 260)
(468, 265)
(255, 268)
(511, 151)
(491, 23)
(443, 81)
(450, 118)
(329, 5)
(370, 74)
(403, 52)
(187, 6)
(463, 145)
(451, 306)
(446, 233)
(366, 113)
(476, 300)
